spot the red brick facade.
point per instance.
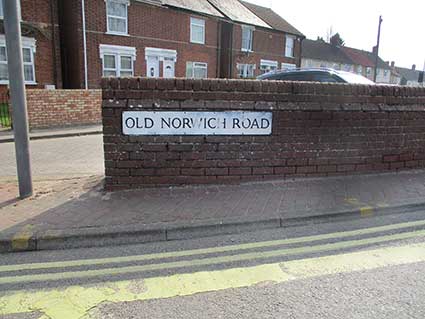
(157, 27)
(59, 108)
(318, 130)
(40, 22)
(267, 45)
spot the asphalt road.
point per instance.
(57, 158)
(367, 268)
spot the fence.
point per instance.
(5, 115)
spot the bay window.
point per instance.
(117, 61)
(28, 54)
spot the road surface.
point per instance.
(365, 268)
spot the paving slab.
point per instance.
(77, 212)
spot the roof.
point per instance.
(320, 50)
(199, 6)
(408, 74)
(236, 11)
(272, 18)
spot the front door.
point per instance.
(168, 69)
(152, 66)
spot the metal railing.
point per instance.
(5, 115)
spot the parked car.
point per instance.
(316, 75)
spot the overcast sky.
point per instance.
(403, 29)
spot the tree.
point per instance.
(336, 40)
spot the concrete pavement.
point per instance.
(57, 158)
(367, 268)
(78, 213)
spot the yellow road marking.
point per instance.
(366, 211)
(20, 241)
(76, 301)
(207, 261)
(212, 250)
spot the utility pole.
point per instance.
(12, 28)
(377, 49)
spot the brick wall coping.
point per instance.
(180, 89)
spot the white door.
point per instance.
(168, 69)
(152, 66)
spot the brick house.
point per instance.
(170, 38)
(40, 45)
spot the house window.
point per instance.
(117, 16)
(368, 70)
(197, 31)
(196, 70)
(247, 38)
(347, 67)
(267, 66)
(359, 69)
(28, 52)
(288, 66)
(385, 72)
(289, 47)
(117, 61)
(246, 70)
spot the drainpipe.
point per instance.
(55, 65)
(83, 15)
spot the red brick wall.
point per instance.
(60, 108)
(267, 45)
(318, 130)
(38, 23)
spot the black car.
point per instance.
(316, 75)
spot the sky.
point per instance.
(402, 33)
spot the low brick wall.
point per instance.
(318, 130)
(61, 108)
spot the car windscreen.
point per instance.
(354, 78)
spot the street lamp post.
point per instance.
(12, 28)
(377, 50)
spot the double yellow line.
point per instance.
(205, 261)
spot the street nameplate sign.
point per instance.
(196, 123)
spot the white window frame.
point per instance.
(108, 31)
(118, 52)
(27, 43)
(288, 66)
(290, 51)
(268, 65)
(244, 70)
(368, 70)
(250, 30)
(200, 65)
(196, 22)
(359, 69)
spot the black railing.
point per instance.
(5, 115)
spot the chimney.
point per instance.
(413, 67)
(374, 49)
(392, 64)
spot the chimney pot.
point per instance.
(414, 67)
(392, 64)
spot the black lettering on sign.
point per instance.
(209, 123)
(255, 124)
(176, 123)
(236, 123)
(265, 123)
(246, 123)
(130, 122)
(164, 122)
